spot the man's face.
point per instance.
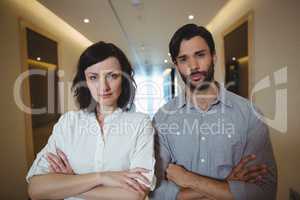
(195, 63)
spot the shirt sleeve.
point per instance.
(143, 155)
(165, 189)
(40, 165)
(258, 143)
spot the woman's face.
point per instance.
(104, 80)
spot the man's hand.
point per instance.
(177, 174)
(251, 174)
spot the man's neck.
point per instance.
(203, 98)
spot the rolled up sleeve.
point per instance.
(258, 143)
(40, 165)
(166, 190)
(143, 155)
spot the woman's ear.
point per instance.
(215, 58)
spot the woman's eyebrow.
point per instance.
(93, 73)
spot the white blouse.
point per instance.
(127, 142)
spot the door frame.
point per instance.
(248, 17)
(23, 24)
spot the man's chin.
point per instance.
(199, 86)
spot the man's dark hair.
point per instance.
(96, 53)
(187, 32)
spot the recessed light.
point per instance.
(234, 58)
(38, 58)
(86, 20)
(191, 17)
(166, 61)
(169, 54)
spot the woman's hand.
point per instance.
(59, 163)
(131, 179)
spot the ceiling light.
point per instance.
(38, 58)
(234, 58)
(86, 20)
(166, 61)
(169, 54)
(191, 17)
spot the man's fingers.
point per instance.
(244, 161)
(260, 169)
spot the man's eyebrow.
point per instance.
(181, 56)
(201, 51)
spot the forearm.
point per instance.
(59, 186)
(189, 194)
(111, 193)
(214, 189)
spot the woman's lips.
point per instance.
(105, 95)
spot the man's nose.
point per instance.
(193, 64)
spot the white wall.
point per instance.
(276, 44)
(12, 126)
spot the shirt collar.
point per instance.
(222, 97)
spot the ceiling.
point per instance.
(142, 28)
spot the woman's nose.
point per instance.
(103, 85)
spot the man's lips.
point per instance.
(196, 76)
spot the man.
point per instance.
(210, 143)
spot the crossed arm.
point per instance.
(195, 186)
(63, 183)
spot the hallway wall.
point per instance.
(276, 45)
(12, 139)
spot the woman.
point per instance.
(101, 151)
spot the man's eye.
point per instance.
(201, 55)
(181, 60)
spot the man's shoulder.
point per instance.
(167, 109)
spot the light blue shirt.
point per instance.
(210, 143)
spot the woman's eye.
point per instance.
(112, 76)
(92, 78)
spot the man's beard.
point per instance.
(209, 77)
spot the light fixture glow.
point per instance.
(86, 20)
(191, 17)
(166, 61)
(38, 58)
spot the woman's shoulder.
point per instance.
(136, 116)
(73, 116)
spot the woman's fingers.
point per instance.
(65, 160)
(134, 184)
(138, 176)
(57, 161)
(139, 169)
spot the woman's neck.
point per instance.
(104, 111)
